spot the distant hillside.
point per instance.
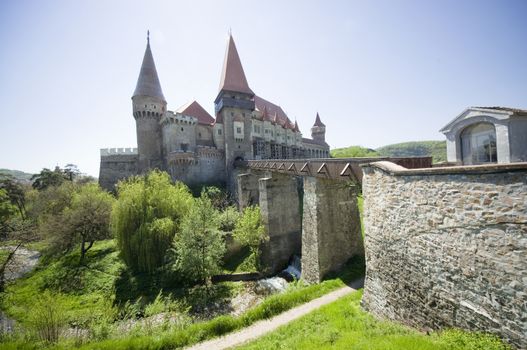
(353, 151)
(436, 149)
(17, 174)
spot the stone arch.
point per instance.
(478, 143)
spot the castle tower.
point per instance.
(149, 105)
(318, 130)
(234, 106)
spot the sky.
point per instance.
(378, 72)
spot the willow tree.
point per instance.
(146, 216)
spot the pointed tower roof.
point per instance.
(296, 128)
(148, 81)
(232, 75)
(318, 122)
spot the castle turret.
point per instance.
(149, 105)
(318, 131)
(234, 106)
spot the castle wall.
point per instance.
(206, 166)
(446, 247)
(117, 164)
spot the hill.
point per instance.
(17, 174)
(436, 149)
(353, 151)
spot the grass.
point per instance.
(85, 290)
(240, 261)
(297, 294)
(343, 325)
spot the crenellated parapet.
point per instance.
(105, 152)
(177, 118)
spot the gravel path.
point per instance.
(265, 326)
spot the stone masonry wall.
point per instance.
(448, 247)
(331, 232)
(280, 208)
(117, 167)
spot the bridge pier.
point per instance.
(331, 231)
(248, 191)
(280, 209)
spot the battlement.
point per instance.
(118, 151)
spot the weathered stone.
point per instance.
(466, 271)
(280, 208)
(331, 232)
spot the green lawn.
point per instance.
(96, 294)
(344, 325)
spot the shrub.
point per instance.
(250, 232)
(200, 246)
(48, 317)
(146, 217)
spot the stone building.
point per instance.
(196, 148)
(482, 135)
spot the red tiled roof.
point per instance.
(232, 75)
(318, 122)
(271, 109)
(194, 109)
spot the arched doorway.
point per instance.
(478, 144)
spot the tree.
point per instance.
(47, 178)
(15, 192)
(250, 232)
(71, 172)
(146, 216)
(7, 210)
(199, 246)
(72, 214)
(17, 232)
(88, 218)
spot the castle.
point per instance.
(196, 148)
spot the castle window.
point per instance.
(199, 134)
(154, 106)
(239, 130)
(146, 106)
(219, 131)
(181, 129)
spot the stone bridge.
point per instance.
(309, 208)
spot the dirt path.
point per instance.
(265, 326)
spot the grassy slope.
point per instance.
(436, 149)
(86, 291)
(17, 174)
(344, 325)
(89, 292)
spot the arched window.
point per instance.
(478, 144)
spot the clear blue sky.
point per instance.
(379, 72)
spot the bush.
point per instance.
(200, 246)
(228, 218)
(146, 217)
(48, 317)
(250, 232)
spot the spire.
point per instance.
(232, 75)
(318, 122)
(148, 81)
(296, 129)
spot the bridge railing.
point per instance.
(333, 168)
